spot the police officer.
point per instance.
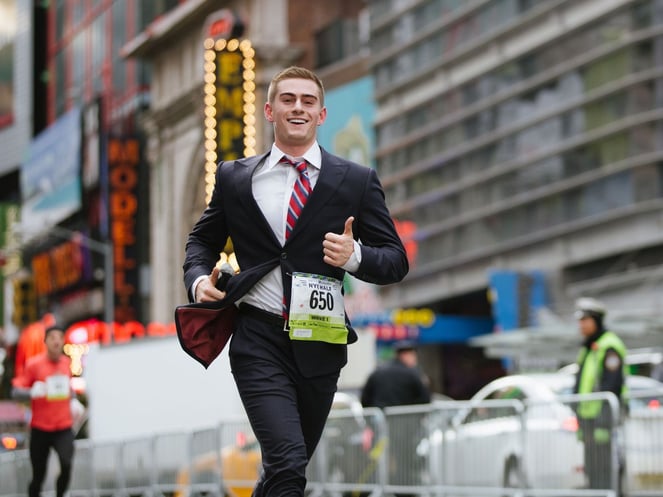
(601, 368)
(400, 382)
(397, 383)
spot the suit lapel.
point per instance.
(243, 172)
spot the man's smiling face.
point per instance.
(296, 113)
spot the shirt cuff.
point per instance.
(195, 285)
(352, 265)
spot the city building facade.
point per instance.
(523, 137)
(16, 128)
(73, 189)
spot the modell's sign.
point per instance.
(123, 162)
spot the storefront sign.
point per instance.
(63, 266)
(123, 161)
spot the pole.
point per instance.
(109, 286)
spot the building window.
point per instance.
(337, 41)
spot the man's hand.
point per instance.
(206, 290)
(38, 390)
(337, 249)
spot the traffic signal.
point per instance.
(25, 302)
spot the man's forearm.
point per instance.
(20, 393)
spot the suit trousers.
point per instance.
(287, 411)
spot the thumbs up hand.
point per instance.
(336, 248)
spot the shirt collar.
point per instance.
(313, 156)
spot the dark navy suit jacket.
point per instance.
(343, 189)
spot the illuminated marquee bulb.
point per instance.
(228, 114)
(76, 353)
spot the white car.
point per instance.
(519, 431)
(515, 432)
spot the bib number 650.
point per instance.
(321, 300)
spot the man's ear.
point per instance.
(268, 112)
(322, 116)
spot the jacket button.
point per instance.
(284, 256)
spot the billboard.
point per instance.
(348, 129)
(8, 26)
(51, 175)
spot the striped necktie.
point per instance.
(300, 192)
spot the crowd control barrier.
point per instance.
(507, 447)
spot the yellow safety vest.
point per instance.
(591, 363)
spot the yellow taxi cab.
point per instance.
(14, 419)
(238, 467)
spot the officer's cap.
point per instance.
(403, 345)
(587, 306)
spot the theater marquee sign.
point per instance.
(229, 76)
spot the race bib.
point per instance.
(57, 387)
(316, 309)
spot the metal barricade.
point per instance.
(107, 464)
(240, 458)
(507, 447)
(452, 448)
(552, 456)
(82, 482)
(479, 446)
(204, 470)
(600, 433)
(643, 445)
(10, 484)
(408, 469)
(136, 473)
(171, 456)
(350, 458)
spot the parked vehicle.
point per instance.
(638, 387)
(14, 419)
(235, 468)
(519, 433)
(522, 432)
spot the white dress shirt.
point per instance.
(272, 185)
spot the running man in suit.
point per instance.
(291, 333)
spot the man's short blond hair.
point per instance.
(295, 72)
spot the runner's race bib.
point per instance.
(316, 309)
(57, 387)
